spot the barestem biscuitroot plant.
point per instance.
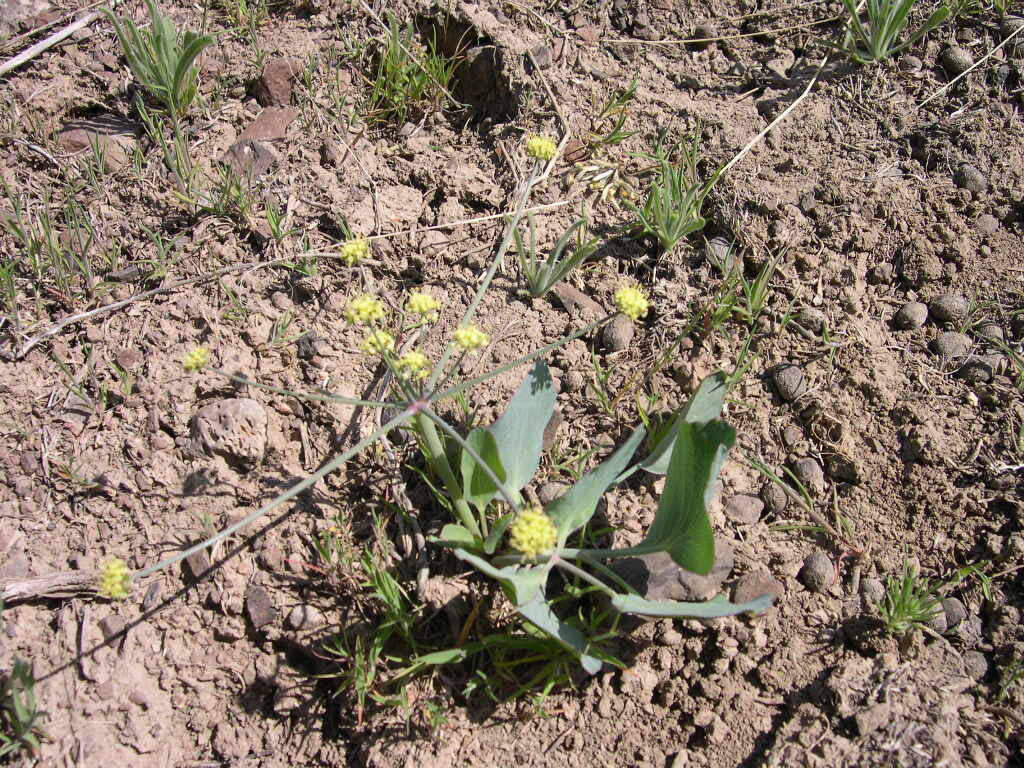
(484, 472)
(878, 38)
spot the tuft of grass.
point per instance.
(162, 60)
(879, 37)
(909, 602)
(19, 712)
(540, 276)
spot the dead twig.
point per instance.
(44, 45)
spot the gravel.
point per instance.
(259, 607)
(305, 617)
(990, 331)
(872, 591)
(911, 315)
(949, 308)
(789, 382)
(975, 664)
(817, 573)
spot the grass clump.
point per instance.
(19, 712)
(879, 36)
(542, 276)
(909, 602)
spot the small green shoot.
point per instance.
(541, 277)
(1011, 674)
(19, 712)
(878, 38)
(909, 602)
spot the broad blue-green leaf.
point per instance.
(521, 584)
(539, 613)
(709, 610)
(520, 430)
(477, 485)
(575, 508)
(704, 406)
(497, 531)
(457, 535)
(681, 526)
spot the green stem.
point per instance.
(580, 573)
(438, 461)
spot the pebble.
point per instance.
(970, 178)
(881, 274)
(975, 664)
(575, 381)
(956, 60)
(752, 585)
(951, 344)
(817, 573)
(275, 84)
(810, 474)
(305, 617)
(551, 491)
(791, 435)
(938, 622)
(910, 63)
(979, 369)
(814, 320)
(789, 381)
(723, 254)
(955, 612)
(235, 428)
(987, 224)
(911, 315)
(872, 591)
(259, 607)
(990, 331)
(744, 509)
(111, 626)
(618, 334)
(198, 563)
(949, 308)
(775, 498)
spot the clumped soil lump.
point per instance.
(884, 373)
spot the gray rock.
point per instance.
(198, 563)
(551, 491)
(817, 573)
(617, 335)
(259, 607)
(111, 626)
(975, 664)
(810, 474)
(937, 622)
(956, 60)
(949, 308)
(723, 254)
(743, 509)
(872, 591)
(990, 331)
(970, 178)
(791, 435)
(752, 585)
(306, 617)
(881, 274)
(812, 319)
(950, 345)
(235, 429)
(954, 611)
(657, 577)
(987, 224)
(979, 369)
(775, 498)
(913, 314)
(249, 158)
(789, 381)
(910, 63)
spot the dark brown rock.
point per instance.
(259, 607)
(275, 84)
(270, 125)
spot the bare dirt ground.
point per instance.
(897, 297)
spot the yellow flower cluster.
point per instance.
(424, 305)
(115, 579)
(469, 337)
(541, 148)
(355, 250)
(196, 360)
(631, 301)
(379, 342)
(364, 309)
(533, 533)
(413, 365)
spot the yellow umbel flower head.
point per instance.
(533, 533)
(364, 309)
(355, 250)
(196, 360)
(379, 342)
(413, 365)
(115, 579)
(631, 301)
(541, 148)
(469, 337)
(424, 305)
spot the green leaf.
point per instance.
(681, 526)
(477, 486)
(704, 406)
(540, 614)
(575, 508)
(709, 610)
(457, 535)
(497, 531)
(521, 584)
(519, 432)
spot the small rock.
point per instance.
(975, 664)
(113, 136)
(872, 592)
(704, 32)
(617, 335)
(745, 510)
(949, 308)
(990, 331)
(956, 60)
(575, 381)
(657, 577)
(911, 315)
(670, 636)
(259, 607)
(937, 623)
(873, 718)
(330, 154)
(810, 474)
(979, 369)
(270, 125)
(111, 626)
(248, 158)
(789, 381)
(955, 612)
(950, 345)
(817, 573)
(551, 491)
(775, 498)
(551, 429)
(970, 178)
(542, 54)
(305, 617)
(751, 586)
(881, 274)
(987, 224)
(274, 88)
(235, 429)
(814, 320)
(723, 254)
(791, 436)
(198, 563)
(573, 299)
(910, 63)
